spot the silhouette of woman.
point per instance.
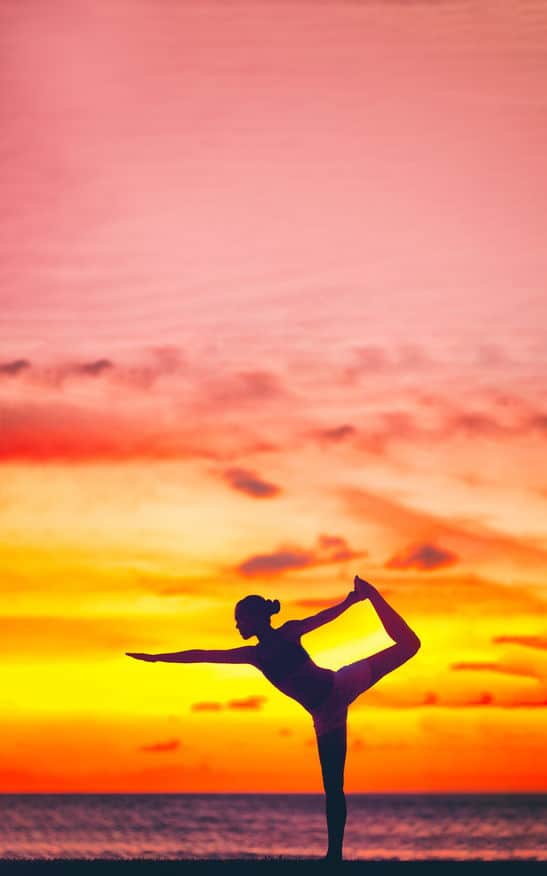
(324, 693)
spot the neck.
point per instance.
(265, 634)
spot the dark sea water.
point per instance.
(379, 826)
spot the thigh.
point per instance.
(332, 748)
(358, 677)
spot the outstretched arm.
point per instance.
(232, 655)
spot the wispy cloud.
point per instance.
(422, 556)
(251, 702)
(539, 642)
(55, 431)
(242, 388)
(487, 666)
(160, 747)
(11, 369)
(374, 360)
(483, 699)
(167, 585)
(469, 541)
(249, 482)
(140, 373)
(95, 368)
(330, 549)
(281, 560)
(336, 434)
(207, 706)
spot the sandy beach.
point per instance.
(263, 866)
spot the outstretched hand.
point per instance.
(151, 658)
(362, 588)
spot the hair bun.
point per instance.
(274, 605)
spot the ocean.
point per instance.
(219, 826)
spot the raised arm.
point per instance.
(307, 624)
(197, 655)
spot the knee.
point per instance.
(415, 645)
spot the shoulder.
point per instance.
(291, 630)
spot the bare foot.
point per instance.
(331, 859)
(362, 588)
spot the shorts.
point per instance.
(349, 682)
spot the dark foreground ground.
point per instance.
(259, 866)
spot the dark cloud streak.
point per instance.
(249, 482)
(330, 549)
(422, 556)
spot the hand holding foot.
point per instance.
(362, 588)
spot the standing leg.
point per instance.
(332, 754)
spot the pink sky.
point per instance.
(251, 181)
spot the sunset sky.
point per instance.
(272, 313)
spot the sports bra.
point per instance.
(280, 658)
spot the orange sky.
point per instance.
(272, 288)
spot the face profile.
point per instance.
(245, 625)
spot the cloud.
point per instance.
(539, 642)
(207, 706)
(63, 431)
(167, 585)
(422, 556)
(95, 368)
(251, 702)
(471, 541)
(249, 482)
(483, 699)
(170, 745)
(330, 549)
(369, 360)
(336, 434)
(336, 549)
(475, 424)
(317, 601)
(11, 369)
(538, 421)
(242, 388)
(486, 666)
(279, 561)
(433, 700)
(373, 360)
(158, 363)
(153, 364)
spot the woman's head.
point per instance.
(253, 614)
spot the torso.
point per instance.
(289, 667)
